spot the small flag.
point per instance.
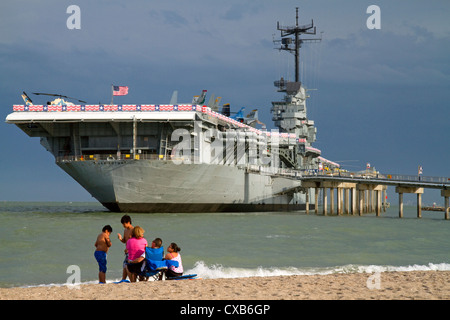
(420, 170)
(120, 90)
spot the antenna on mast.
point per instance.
(293, 44)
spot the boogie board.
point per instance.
(184, 277)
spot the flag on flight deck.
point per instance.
(120, 90)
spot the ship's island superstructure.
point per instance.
(192, 157)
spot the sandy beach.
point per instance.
(424, 285)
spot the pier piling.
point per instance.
(446, 195)
(418, 191)
(367, 195)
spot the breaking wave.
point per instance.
(218, 271)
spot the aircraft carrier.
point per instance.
(184, 157)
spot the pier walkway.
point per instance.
(363, 190)
(366, 191)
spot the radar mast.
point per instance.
(294, 44)
(290, 114)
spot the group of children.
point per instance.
(135, 243)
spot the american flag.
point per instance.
(120, 90)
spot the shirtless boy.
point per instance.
(127, 233)
(102, 245)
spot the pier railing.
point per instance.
(375, 176)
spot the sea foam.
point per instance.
(218, 271)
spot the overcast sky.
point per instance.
(381, 96)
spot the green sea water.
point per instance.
(40, 240)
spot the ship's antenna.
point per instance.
(293, 45)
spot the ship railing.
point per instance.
(109, 157)
(266, 170)
(263, 169)
(126, 157)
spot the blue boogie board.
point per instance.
(184, 277)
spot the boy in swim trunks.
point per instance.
(127, 233)
(102, 245)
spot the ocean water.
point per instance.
(40, 241)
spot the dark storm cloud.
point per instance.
(383, 94)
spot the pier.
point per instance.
(362, 194)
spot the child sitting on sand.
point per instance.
(157, 243)
(136, 252)
(174, 254)
(102, 245)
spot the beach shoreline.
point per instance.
(398, 285)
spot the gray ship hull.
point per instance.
(163, 186)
